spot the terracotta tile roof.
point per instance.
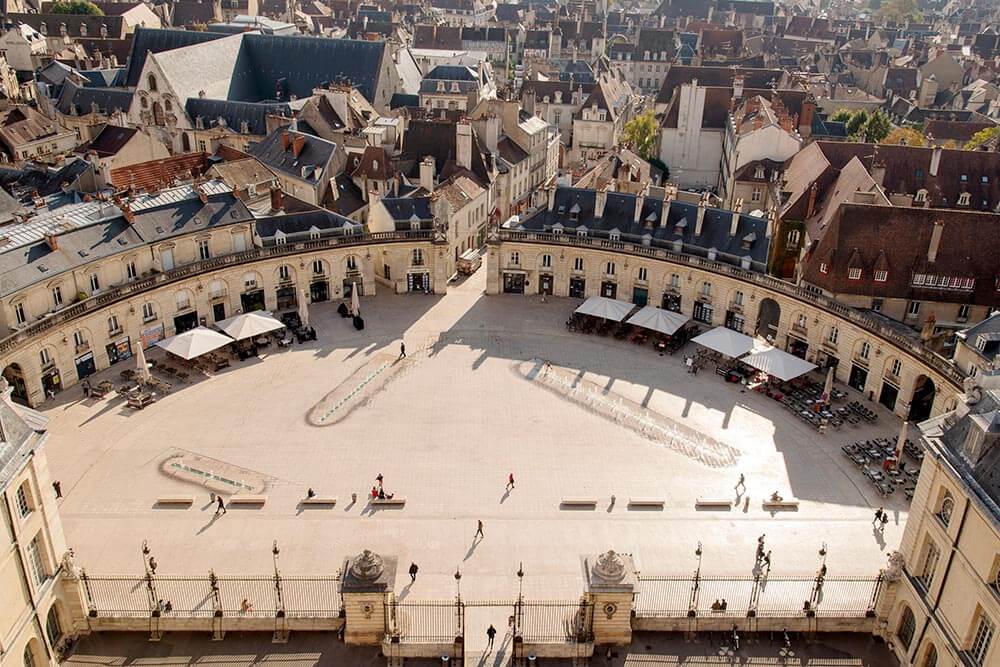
(160, 173)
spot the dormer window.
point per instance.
(279, 238)
(574, 213)
(615, 235)
(824, 267)
(582, 231)
(881, 276)
(759, 172)
(151, 81)
(920, 197)
(964, 198)
(42, 28)
(454, 86)
(83, 30)
(440, 86)
(854, 274)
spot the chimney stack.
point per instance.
(427, 174)
(932, 249)
(669, 194)
(600, 201)
(201, 195)
(738, 87)
(552, 197)
(52, 240)
(298, 143)
(700, 220)
(772, 217)
(286, 140)
(935, 160)
(463, 144)
(811, 208)
(735, 223)
(128, 214)
(277, 199)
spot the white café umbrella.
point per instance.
(248, 325)
(141, 368)
(657, 319)
(194, 343)
(304, 308)
(609, 309)
(828, 387)
(355, 301)
(778, 363)
(726, 341)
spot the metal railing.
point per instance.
(262, 596)
(541, 622)
(429, 622)
(876, 328)
(743, 596)
(121, 292)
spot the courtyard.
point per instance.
(445, 428)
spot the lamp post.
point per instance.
(458, 582)
(275, 552)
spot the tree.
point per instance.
(640, 134)
(982, 136)
(905, 136)
(876, 128)
(842, 116)
(900, 11)
(857, 122)
(76, 7)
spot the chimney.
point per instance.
(298, 143)
(935, 160)
(528, 101)
(640, 200)
(286, 140)
(665, 209)
(128, 214)
(700, 220)
(427, 174)
(878, 173)
(738, 87)
(492, 132)
(52, 240)
(772, 217)
(735, 222)
(277, 198)
(932, 249)
(201, 195)
(552, 197)
(600, 201)
(806, 116)
(463, 144)
(811, 208)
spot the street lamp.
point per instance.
(458, 582)
(520, 580)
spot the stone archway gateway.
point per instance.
(14, 379)
(768, 317)
(922, 400)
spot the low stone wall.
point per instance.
(209, 624)
(799, 623)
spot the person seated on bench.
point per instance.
(381, 494)
(716, 606)
(374, 493)
(775, 498)
(310, 493)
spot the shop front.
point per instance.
(85, 365)
(51, 381)
(119, 350)
(858, 377)
(640, 296)
(797, 346)
(185, 321)
(151, 336)
(513, 283)
(826, 360)
(418, 281)
(703, 312)
(286, 299)
(888, 395)
(735, 321)
(349, 285)
(609, 289)
(545, 281)
(218, 311)
(577, 288)
(253, 300)
(671, 302)
(319, 290)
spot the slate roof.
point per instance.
(111, 139)
(77, 25)
(235, 113)
(574, 207)
(73, 98)
(437, 138)
(300, 223)
(989, 329)
(437, 37)
(155, 40)
(188, 216)
(901, 80)
(23, 181)
(316, 153)
(272, 64)
(716, 76)
(187, 13)
(898, 238)
(403, 209)
(348, 199)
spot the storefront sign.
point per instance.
(151, 336)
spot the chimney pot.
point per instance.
(935, 244)
(286, 140)
(298, 143)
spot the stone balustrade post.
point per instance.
(366, 588)
(611, 583)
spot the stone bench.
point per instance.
(319, 500)
(646, 502)
(175, 500)
(578, 502)
(785, 504)
(388, 502)
(713, 503)
(246, 500)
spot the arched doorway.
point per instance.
(15, 377)
(923, 398)
(768, 317)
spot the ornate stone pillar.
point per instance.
(366, 587)
(892, 576)
(611, 590)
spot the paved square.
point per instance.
(448, 427)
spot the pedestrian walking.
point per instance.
(152, 565)
(885, 520)
(878, 516)
(57, 486)
(221, 507)
(379, 480)
(413, 572)
(479, 530)
(510, 481)
(767, 560)
(741, 484)
(86, 388)
(491, 632)
(402, 351)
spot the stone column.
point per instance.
(892, 576)
(611, 589)
(366, 587)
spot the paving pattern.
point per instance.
(445, 433)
